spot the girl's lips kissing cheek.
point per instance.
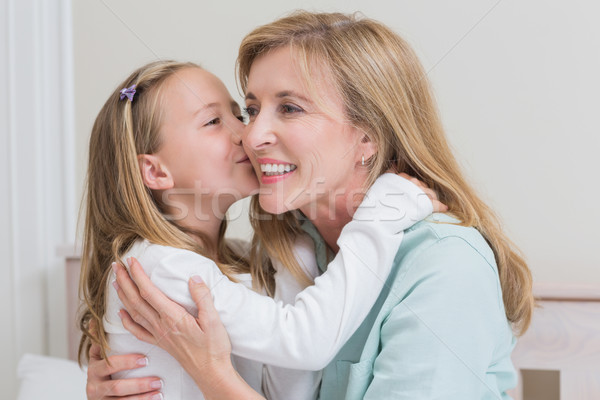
(244, 160)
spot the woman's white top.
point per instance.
(302, 331)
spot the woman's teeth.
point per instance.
(276, 169)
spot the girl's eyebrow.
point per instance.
(204, 107)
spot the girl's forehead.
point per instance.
(196, 85)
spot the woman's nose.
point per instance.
(259, 133)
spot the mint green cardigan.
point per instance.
(438, 329)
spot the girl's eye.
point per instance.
(289, 109)
(214, 121)
(242, 118)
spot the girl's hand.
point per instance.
(201, 345)
(438, 206)
(101, 386)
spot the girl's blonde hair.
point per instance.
(386, 93)
(120, 209)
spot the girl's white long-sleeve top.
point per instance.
(304, 335)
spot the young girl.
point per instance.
(443, 324)
(165, 164)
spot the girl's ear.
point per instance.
(155, 174)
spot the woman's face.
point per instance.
(304, 156)
(201, 139)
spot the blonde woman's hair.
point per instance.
(120, 209)
(386, 93)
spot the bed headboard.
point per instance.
(72, 259)
(559, 356)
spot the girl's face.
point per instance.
(302, 154)
(201, 139)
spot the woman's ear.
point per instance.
(155, 174)
(367, 148)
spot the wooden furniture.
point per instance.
(72, 256)
(563, 343)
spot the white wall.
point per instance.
(36, 200)
(517, 84)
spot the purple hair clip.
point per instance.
(127, 92)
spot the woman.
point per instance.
(443, 324)
(165, 163)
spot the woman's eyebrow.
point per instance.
(283, 93)
(291, 93)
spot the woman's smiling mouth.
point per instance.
(275, 170)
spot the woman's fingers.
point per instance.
(134, 388)
(145, 396)
(156, 299)
(146, 304)
(118, 363)
(136, 329)
(213, 341)
(129, 294)
(207, 313)
(150, 315)
(99, 384)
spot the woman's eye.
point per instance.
(242, 118)
(214, 121)
(251, 111)
(289, 109)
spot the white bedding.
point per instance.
(49, 378)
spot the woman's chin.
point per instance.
(272, 205)
(247, 187)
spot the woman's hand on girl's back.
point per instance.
(100, 386)
(154, 318)
(201, 344)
